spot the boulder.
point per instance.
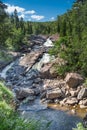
(52, 94)
(82, 94)
(54, 83)
(29, 59)
(73, 80)
(24, 92)
(72, 101)
(45, 70)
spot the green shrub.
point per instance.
(9, 119)
(80, 127)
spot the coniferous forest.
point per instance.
(71, 26)
(71, 47)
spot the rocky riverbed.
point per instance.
(35, 84)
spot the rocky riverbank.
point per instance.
(35, 83)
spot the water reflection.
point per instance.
(76, 110)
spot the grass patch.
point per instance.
(9, 119)
(80, 127)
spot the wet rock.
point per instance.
(73, 80)
(28, 99)
(32, 74)
(85, 121)
(36, 91)
(49, 101)
(23, 93)
(43, 95)
(82, 93)
(52, 94)
(37, 80)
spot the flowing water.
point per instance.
(45, 59)
(48, 43)
(4, 71)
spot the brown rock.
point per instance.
(54, 83)
(72, 101)
(29, 59)
(52, 94)
(73, 80)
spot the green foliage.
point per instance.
(4, 56)
(13, 30)
(85, 83)
(80, 127)
(72, 47)
(9, 119)
(5, 93)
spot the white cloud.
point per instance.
(30, 12)
(22, 16)
(52, 18)
(37, 17)
(22, 12)
(10, 9)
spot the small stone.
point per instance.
(56, 101)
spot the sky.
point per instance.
(38, 10)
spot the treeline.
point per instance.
(72, 45)
(15, 32)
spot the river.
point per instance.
(60, 118)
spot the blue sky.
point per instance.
(38, 10)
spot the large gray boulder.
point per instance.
(24, 92)
(73, 80)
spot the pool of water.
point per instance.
(74, 110)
